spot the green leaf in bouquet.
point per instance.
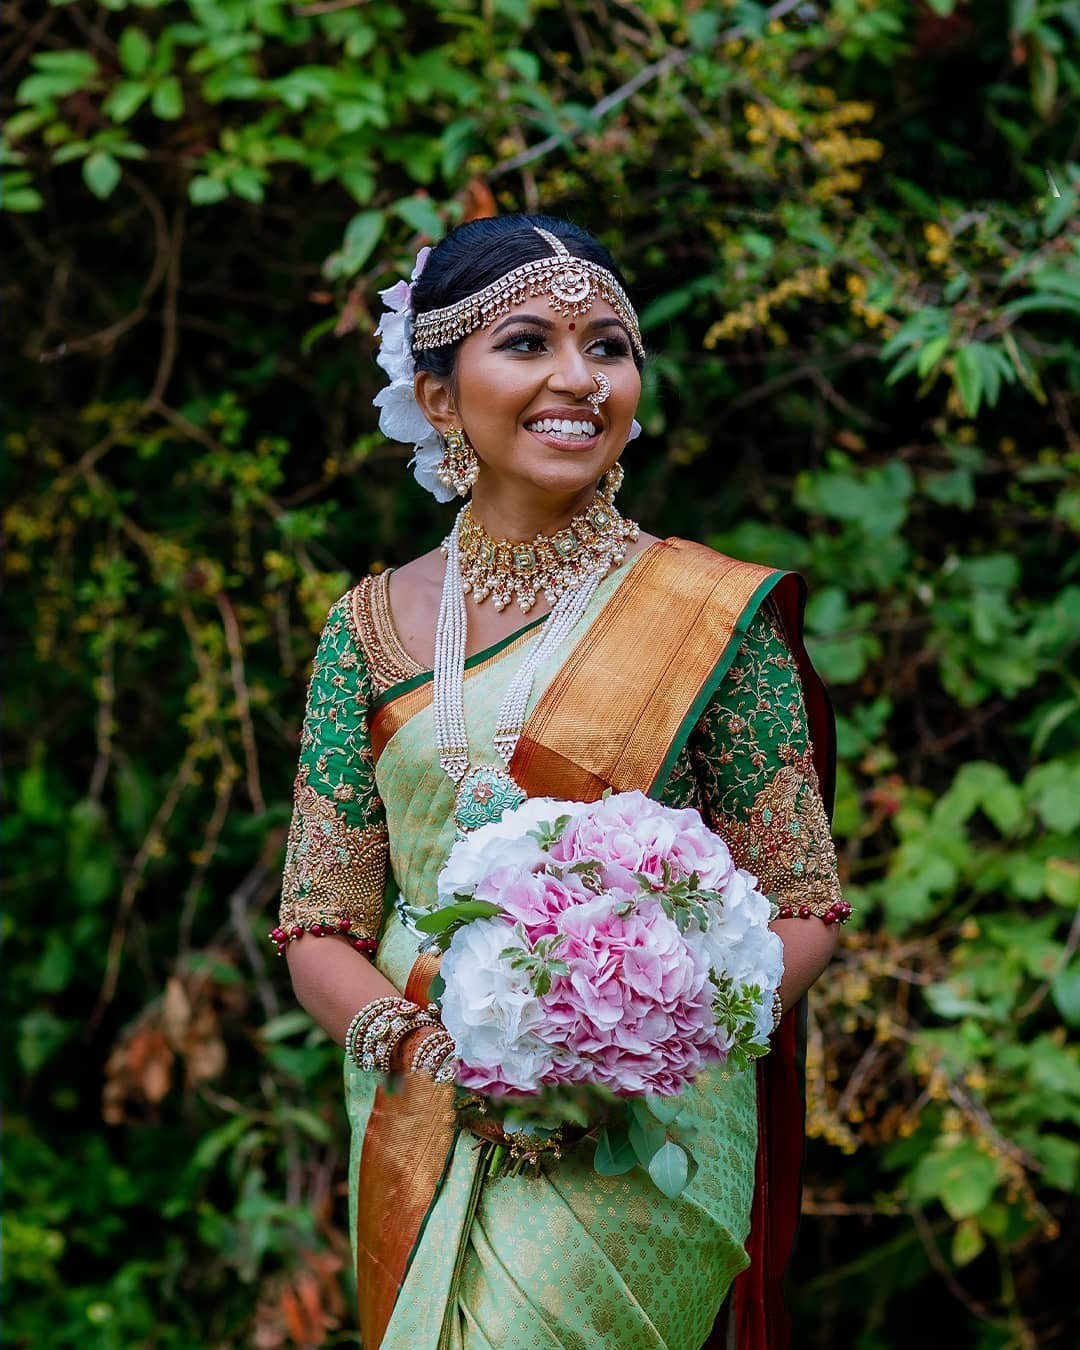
(519, 1120)
(646, 1136)
(670, 1169)
(548, 832)
(589, 872)
(614, 1153)
(665, 1109)
(461, 911)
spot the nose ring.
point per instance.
(603, 391)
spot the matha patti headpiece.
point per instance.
(570, 285)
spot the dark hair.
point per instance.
(477, 253)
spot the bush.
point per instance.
(852, 235)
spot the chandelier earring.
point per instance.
(459, 468)
(612, 482)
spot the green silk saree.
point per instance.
(563, 1258)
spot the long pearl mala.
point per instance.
(448, 701)
(448, 693)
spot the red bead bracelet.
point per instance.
(282, 937)
(838, 912)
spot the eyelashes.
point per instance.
(525, 335)
(612, 346)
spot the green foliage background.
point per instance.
(852, 233)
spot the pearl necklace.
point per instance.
(484, 792)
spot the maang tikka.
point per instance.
(459, 467)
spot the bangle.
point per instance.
(446, 1072)
(431, 1052)
(379, 1026)
(777, 1010)
(375, 1014)
(361, 1018)
(397, 1032)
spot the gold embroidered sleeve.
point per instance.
(336, 855)
(753, 761)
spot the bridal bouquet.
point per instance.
(607, 950)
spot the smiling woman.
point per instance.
(515, 361)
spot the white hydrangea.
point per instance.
(490, 1009)
(500, 843)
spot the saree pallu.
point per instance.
(565, 1257)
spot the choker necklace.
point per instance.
(486, 791)
(551, 564)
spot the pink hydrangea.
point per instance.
(635, 834)
(635, 1010)
(535, 899)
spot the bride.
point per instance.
(550, 647)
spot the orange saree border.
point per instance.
(598, 723)
(406, 1150)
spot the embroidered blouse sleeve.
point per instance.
(753, 761)
(336, 856)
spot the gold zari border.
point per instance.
(609, 716)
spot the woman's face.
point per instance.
(522, 384)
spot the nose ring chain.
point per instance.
(603, 391)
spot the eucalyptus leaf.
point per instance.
(614, 1153)
(669, 1169)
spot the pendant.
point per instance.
(483, 795)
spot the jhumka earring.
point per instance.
(612, 482)
(459, 467)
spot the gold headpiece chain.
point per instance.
(569, 284)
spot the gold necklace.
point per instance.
(551, 564)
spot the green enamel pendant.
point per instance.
(483, 795)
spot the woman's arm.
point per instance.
(331, 981)
(336, 857)
(808, 949)
(753, 762)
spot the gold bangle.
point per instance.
(777, 1010)
(393, 1038)
(369, 1034)
(361, 1022)
(431, 1051)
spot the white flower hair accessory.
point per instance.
(400, 418)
